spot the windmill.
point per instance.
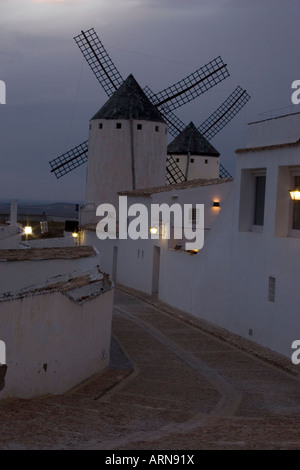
(166, 101)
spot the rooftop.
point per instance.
(268, 147)
(129, 102)
(190, 140)
(47, 253)
(78, 288)
(173, 187)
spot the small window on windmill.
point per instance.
(100, 125)
(177, 160)
(139, 127)
(44, 226)
(156, 128)
(206, 161)
(118, 125)
(192, 160)
(90, 126)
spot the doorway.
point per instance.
(155, 269)
(115, 264)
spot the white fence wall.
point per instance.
(53, 343)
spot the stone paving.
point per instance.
(174, 383)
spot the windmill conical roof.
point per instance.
(190, 140)
(129, 102)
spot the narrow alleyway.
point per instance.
(174, 383)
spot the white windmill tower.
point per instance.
(127, 147)
(194, 155)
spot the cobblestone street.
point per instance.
(175, 382)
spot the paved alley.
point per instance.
(175, 382)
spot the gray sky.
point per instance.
(51, 93)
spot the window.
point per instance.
(252, 200)
(100, 125)
(206, 161)
(156, 128)
(296, 207)
(118, 125)
(272, 286)
(90, 126)
(259, 201)
(192, 160)
(177, 160)
(139, 127)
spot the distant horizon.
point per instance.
(24, 201)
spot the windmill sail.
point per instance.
(74, 158)
(191, 86)
(175, 125)
(223, 173)
(99, 61)
(218, 119)
(174, 174)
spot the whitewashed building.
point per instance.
(245, 277)
(55, 319)
(141, 263)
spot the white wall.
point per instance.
(198, 168)
(66, 240)
(199, 284)
(178, 269)
(257, 256)
(231, 276)
(135, 257)
(110, 160)
(53, 343)
(280, 130)
(10, 237)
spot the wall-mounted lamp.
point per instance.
(216, 204)
(28, 230)
(295, 194)
(78, 237)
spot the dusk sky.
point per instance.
(51, 93)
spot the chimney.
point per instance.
(13, 212)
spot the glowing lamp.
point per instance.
(295, 194)
(153, 230)
(28, 230)
(75, 234)
(216, 204)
